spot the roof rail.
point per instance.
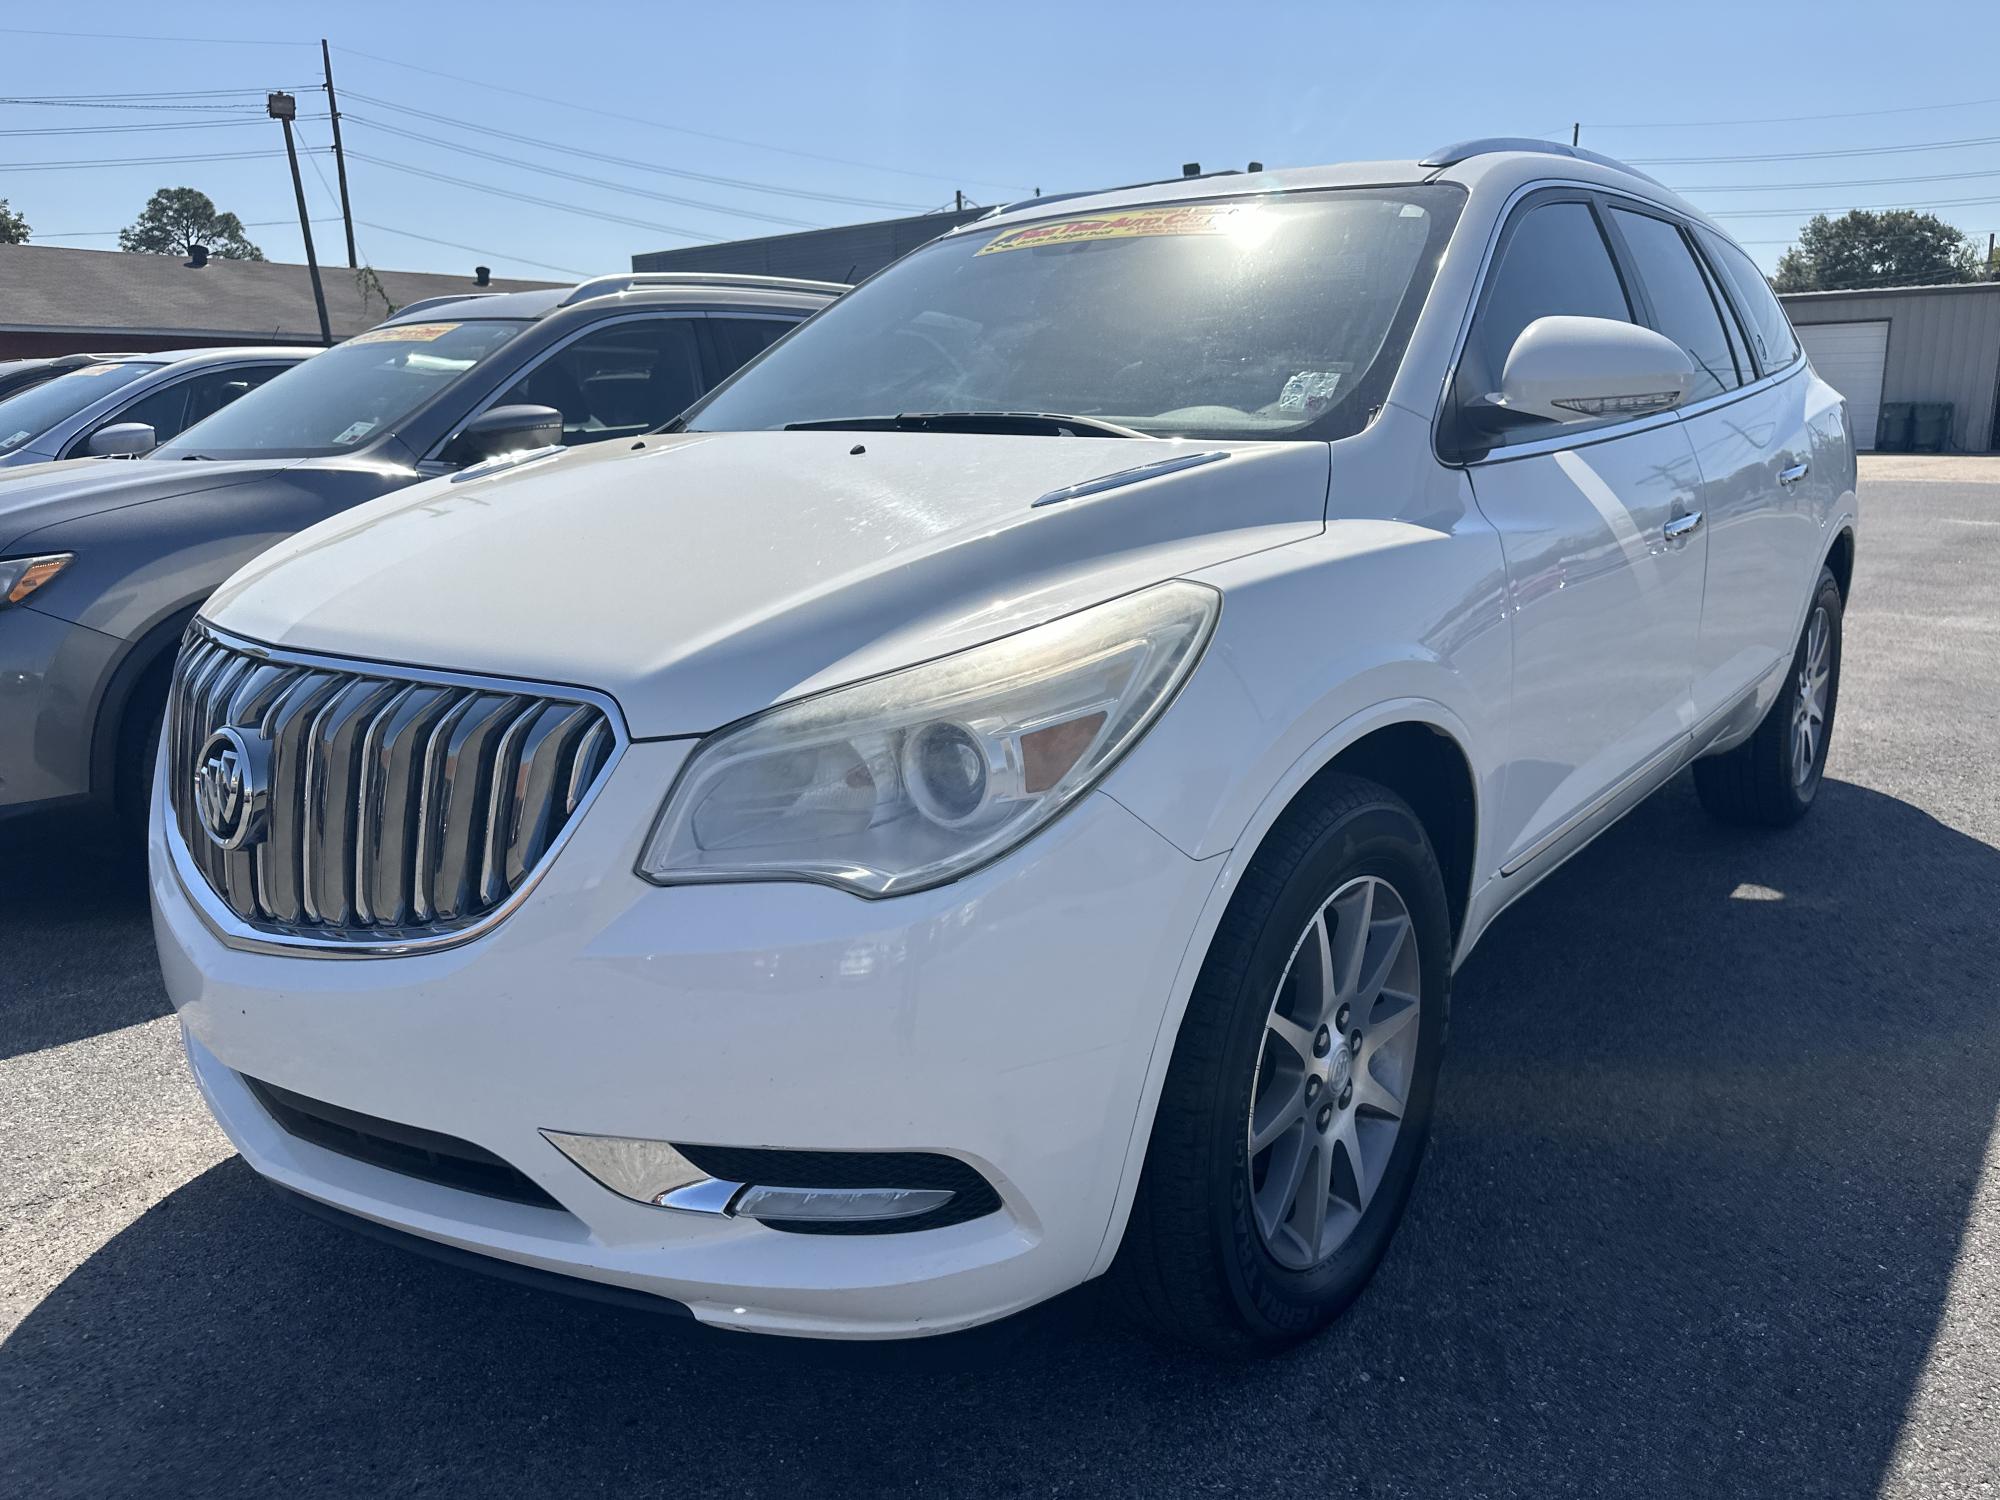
(1096, 192)
(633, 281)
(423, 302)
(1458, 151)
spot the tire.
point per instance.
(138, 746)
(1201, 1262)
(1760, 782)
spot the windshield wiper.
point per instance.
(1044, 423)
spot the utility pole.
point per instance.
(1575, 132)
(339, 156)
(284, 109)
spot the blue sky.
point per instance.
(894, 106)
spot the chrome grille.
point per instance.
(396, 808)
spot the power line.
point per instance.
(1786, 187)
(182, 109)
(678, 129)
(569, 176)
(131, 129)
(500, 192)
(635, 164)
(124, 36)
(475, 249)
(133, 161)
(140, 94)
(1780, 213)
(1689, 161)
(106, 234)
(1851, 114)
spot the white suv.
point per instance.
(996, 794)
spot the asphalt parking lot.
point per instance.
(1712, 1205)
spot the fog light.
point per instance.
(838, 1205)
(657, 1174)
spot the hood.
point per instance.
(35, 497)
(701, 577)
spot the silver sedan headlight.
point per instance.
(912, 779)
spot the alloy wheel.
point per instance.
(1334, 1072)
(1809, 713)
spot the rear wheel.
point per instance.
(1772, 777)
(1299, 1096)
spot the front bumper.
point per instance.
(51, 676)
(1009, 1020)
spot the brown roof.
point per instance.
(52, 288)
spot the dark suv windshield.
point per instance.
(1267, 317)
(336, 401)
(30, 413)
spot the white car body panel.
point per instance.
(1527, 608)
(736, 570)
(1605, 615)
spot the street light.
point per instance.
(284, 109)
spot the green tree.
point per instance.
(13, 228)
(1900, 247)
(175, 220)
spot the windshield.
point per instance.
(28, 414)
(1270, 317)
(336, 401)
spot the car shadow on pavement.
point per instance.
(1716, 1107)
(76, 950)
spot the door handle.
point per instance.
(1682, 527)
(1794, 474)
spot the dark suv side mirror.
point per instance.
(122, 440)
(505, 429)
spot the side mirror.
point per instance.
(1567, 369)
(505, 429)
(122, 440)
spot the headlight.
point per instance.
(21, 576)
(912, 779)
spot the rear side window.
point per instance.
(1683, 310)
(1769, 330)
(1555, 263)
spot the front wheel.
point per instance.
(1772, 777)
(1299, 1095)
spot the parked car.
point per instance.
(126, 405)
(998, 792)
(19, 374)
(103, 565)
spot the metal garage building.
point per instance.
(847, 252)
(1920, 343)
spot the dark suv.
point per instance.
(103, 563)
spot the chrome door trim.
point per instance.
(1645, 775)
(233, 932)
(1795, 473)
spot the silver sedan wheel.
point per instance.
(1334, 1074)
(1809, 714)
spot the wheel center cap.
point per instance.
(1340, 1070)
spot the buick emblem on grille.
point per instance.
(232, 787)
